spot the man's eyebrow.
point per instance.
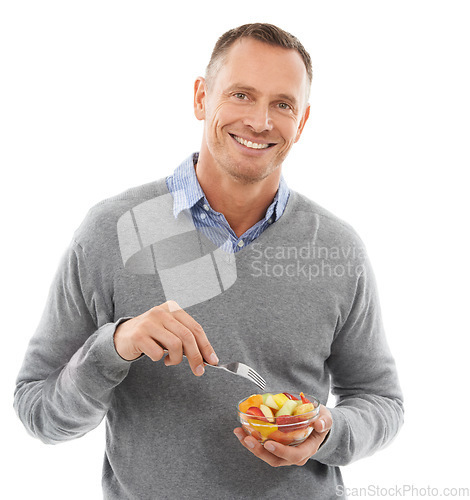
(240, 87)
(288, 97)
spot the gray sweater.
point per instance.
(299, 305)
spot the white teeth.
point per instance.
(249, 144)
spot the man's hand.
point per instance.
(165, 327)
(277, 454)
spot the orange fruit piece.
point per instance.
(254, 400)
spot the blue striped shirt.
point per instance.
(188, 195)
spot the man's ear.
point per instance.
(200, 93)
(302, 123)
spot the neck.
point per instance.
(243, 204)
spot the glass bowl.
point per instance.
(289, 430)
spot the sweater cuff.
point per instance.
(97, 367)
(105, 348)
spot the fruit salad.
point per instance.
(283, 417)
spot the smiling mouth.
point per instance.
(250, 144)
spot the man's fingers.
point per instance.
(186, 341)
(179, 341)
(195, 345)
(173, 345)
(170, 306)
(294, 454)
(324, 421)
(168, 327)
(202, 343)
(151, 349)
(274, 454)
(252, 444)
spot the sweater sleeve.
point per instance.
(65, 385)
(369, 408)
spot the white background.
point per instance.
(97, 97)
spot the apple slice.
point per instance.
(287, 408)
(265, 396)
(290, 396)
(267, 412)
(255, 411)
(303, 408)
(271, 403)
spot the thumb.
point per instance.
(324, 421)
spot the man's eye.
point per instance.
(284, 105)
(240, 95)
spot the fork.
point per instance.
(243, 371)
(240, 369)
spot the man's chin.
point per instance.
(249, 174)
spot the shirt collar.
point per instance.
(187, 191)
(184, 186)
(281, 198)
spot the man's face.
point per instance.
(254, 111)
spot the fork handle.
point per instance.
(204, 362)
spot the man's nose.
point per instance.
(258, 118)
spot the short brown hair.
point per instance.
(266, 33)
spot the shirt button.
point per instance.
(270, 220)
(240, 243)
(203, 216)
(205, 207)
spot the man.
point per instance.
(221, 257)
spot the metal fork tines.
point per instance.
(243, 371)
(240, 369)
